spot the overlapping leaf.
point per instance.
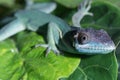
(31, 64)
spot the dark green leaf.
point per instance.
(69, 3)
(96, 68)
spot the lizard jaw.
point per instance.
(95, 48)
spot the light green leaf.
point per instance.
(10, 62)
(39, 67)
(7, 2)
(31, 63)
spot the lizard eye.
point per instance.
(82, 38)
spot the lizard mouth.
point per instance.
(86, 48)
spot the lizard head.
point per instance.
(93, 41)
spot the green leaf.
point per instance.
(78, 75)
(30, 63)
(39, 67)
(69, 3)
(113, 2)
(98, 73)
(96, 68)
(106, 62)
(7, 2)
(10, 62)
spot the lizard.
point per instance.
(60, 36)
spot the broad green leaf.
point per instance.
(98, 73)
(113, 2)
(96, 68)
(107, 62)
(77, 75)
(31, 63)
(39, 67)
(11, 64)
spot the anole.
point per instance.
(60, 36)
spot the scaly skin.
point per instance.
(93, 41)
(60, 35)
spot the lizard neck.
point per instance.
(66, 43)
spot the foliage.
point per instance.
(20, 61)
